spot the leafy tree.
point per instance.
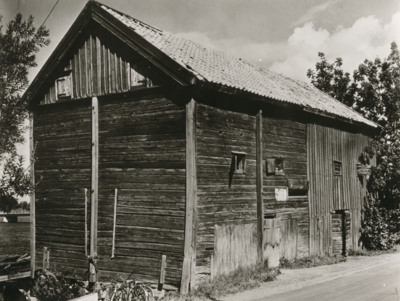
(330, 78)
(374, 91)
(19, 43)
(24, 205)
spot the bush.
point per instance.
(49, 287)
(379, 226)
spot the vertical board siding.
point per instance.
(96, 69)
(328, 192)
(287, 139)
(142, 153)
(289, 238)
(223, 197)
(235, 246)
(62, 172)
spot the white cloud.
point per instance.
(313, 11)
(366, 38)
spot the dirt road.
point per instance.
(360, 278)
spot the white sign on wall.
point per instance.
(281, 194)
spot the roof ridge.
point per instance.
(132, 18)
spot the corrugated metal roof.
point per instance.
(213, 66)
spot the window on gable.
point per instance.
(63, 86)
(140, 80)
(337, 168)
(238, 162)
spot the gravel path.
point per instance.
(291, 280)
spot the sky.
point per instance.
(283, 35)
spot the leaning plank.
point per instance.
(86, 225)
(15, 276)
(114, 223)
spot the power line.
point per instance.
(54, 6)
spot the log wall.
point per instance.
(62, 172)
(286, 139)
(142, 154)
(226, 197)
(223, 196)
(329, 192)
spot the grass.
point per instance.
(372, 252)
(309, 262)
(238, 281)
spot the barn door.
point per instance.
(340, 232)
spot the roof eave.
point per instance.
(285, 104)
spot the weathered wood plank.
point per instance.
(94, 188)
(260, 203)
(114, 222)
(189, 261)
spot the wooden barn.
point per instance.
(153, 152)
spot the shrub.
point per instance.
(378, 227)
(49, 287)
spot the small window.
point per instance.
(275, 166)
(238, 162)
(279, 166)
(337, 168)
(63, 86)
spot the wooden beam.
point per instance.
(259, 185)
(94, 189)
(189, 261)
(32, 197)
(114, 223)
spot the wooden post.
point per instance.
(46, 258)
(259, 182)
(114, 223)
(86, 225)
(212, 267)
(32, 197)
(94, 194)
(189, 260)
(162, 272)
